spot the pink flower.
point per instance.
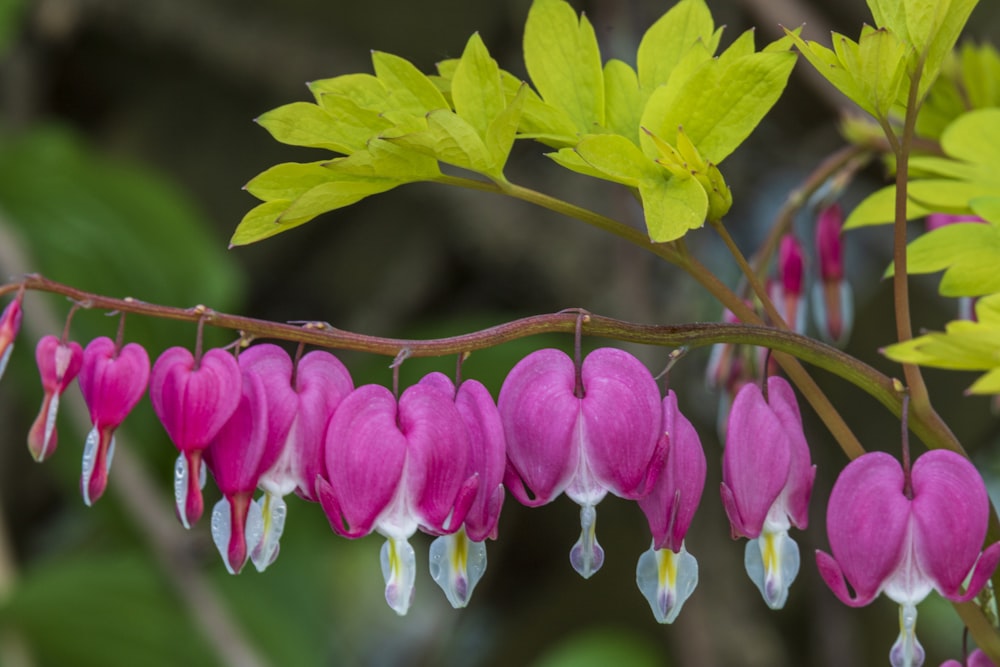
(10, 324)
(300, 402)
(976, 659)
(458, 560)
(395, 467)
(235, 458)
(58, 364)
(193, 399)
(832, 297)
(788, 290)
(885, 540)
(767, 478)
(584, 431)
(667, 574)
(112, 381)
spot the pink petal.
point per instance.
(755, 462)
(866, 522)
(273, 366)
(951, 510)
(539, 413)
(364, 454)
(112, 381)
(235, 454)
(194, 403)
(437, 453)
(801, 472)
(622, 414)
(671, 505)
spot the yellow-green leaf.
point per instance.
(289, 180)
(568, 158)
(549, 125)
(618, 159)
(829, 64)
(305, 124)
(476, 89)
(260, 222)
(879, 208)
(356, 124)
(331, 196)
(503, 129)
(673, 207)
(881, 68)
(623, 99)
(968, 252)
(667, 41)
(410, 90)
(452, 140)
(564, 62)
(364, 90)
(975, 137)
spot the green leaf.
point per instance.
(452, 140)
(881, 69)
(568, 158)
(980, 73)
(365, 90)
(828, 63)
(261, 222)
(667, 41)
(540, 121)
(476, 89)
(673, 207)
(968, 252)
(947, 196)
(288, 180)
(975, 137)
(618, 159)
(879, 208)
(305, 124)
(564, 62)
(936, 24)
(623, 99)
(356, 124)
(503, 129)
(410, 90)
(720, 105)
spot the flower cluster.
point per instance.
(439, 457)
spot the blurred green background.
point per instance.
(126, 134)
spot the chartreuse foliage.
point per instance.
(660, 128)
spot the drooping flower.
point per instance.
(58, 363)
(394, 467)
(301, 398)
(112, 381)
(788, 290)
(833, 301)
(667, 574)
(907, 538)
(10, 324)
(976, 659)
(767, 479)
(458, 560)
(235, 458)
(193, 399)
(584, 431)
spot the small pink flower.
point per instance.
(667, 574)
(193, 399)
(458, 560)
(976, 659)
(58, 364)
(395, 467)
(832, 297)
(788, 290)
(10, 324)
(585, 432)
(767, 479)
(885, 541)
(112, 381)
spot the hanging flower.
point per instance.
(906, 537)
(193, 399)
(394, 467)
(301, 398)
(58, 363)
(767, 478)
(10, 324)
(667, 574)
(585, 431)
(833, 301)
(458, 560)
(112, 380)
(788, 290)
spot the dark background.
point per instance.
(127, 134)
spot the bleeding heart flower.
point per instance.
(833, 302)
(767, 478)
(112, 381)
(58, 364)
(788, 290)
(10, 324)
(193, 399)
(396, 467)
(300, 402)
(458, 560)
(667, 574)
(906, 539)
(584, 431)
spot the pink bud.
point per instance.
(833, 306)
(112, 381)
(829, 247)
(193, 401)
(58, 364)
